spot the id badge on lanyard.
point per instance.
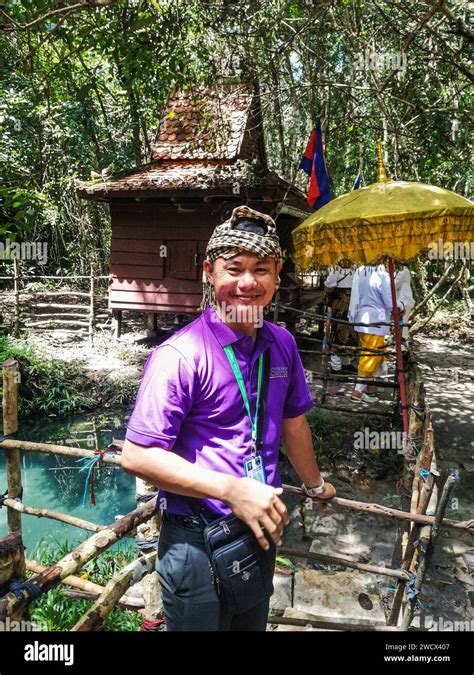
(253, 465)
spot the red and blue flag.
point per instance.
(356, 185)
(312, 162)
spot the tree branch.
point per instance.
(65, 11)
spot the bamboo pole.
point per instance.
(425, 561)
(61, 305)
(326, 354)
(10, 426)
(54, 315)
(409, 552)
(428, 295)
(366, 410)
(55, 294)
(327, 623)
(343, 562)
(357, 351)
(147, 541)
(91, 589)
(11, 603)
(113, 591)
(51, 448)
(53, 515)
(57, 322)
(12, 558)
(16, 292)
(354, 379)
(425, 530)
(386, 511)
(91, 307)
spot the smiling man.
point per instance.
(193, 429)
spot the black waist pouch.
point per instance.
(241, 571)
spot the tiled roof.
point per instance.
(209, 139)
(204, 123)
(197, 177)
(178, 175)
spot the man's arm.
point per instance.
(253, 502)
(296, 434)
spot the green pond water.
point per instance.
(55, 482)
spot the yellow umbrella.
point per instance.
(388, 219)
(399, 219)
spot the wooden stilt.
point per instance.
(117, 323)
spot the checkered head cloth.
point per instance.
(246, 230)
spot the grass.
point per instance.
(52, 387)
(60, 613)
(47, 386)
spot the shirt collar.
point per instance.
(227, 335)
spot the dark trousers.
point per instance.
(190, 602)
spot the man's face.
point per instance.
(244, 280)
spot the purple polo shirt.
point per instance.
(189, 401)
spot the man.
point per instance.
(190, 433)
(371, 303)
(338, 286)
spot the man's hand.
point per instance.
(328, 493)
(259, 506)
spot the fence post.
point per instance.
(13, 466)
(275, 309)
(16, 291)
(146, 539)
(92, 307)
(10, 426)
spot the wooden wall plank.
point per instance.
(138, 259)
(151, 297)
(136, 271)
(137, 245)
(179, 309)
(143, 231)
(165, 286)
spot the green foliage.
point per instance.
(59, 612)
(47, 386)
(85, 87)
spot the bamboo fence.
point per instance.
(53, 309)
(144, 523)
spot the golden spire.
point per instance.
(382, 176)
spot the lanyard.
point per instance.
(240, 381)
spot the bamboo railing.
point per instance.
(144, 522)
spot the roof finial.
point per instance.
(382, 176)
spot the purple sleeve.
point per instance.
(298, 399)
(164, 398)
